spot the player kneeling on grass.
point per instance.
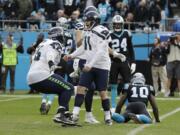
(42, 78)
(138, 95)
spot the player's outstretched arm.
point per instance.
(79, 51)
(121, 102)
(154, 107)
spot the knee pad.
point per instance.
(118, 118)
(144, 119)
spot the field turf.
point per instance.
(19, 115)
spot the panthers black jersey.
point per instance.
(138, 92)
(121, 43)
(69, 45)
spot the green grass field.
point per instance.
(19, 115)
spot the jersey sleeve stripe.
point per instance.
(98, 34)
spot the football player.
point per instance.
(47, 99)
(121, 43)
(78, 66)
(69, 47)
(42, 78)
(138, 95)
(81, 32)
(97, 65)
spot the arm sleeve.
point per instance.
(154, 107)
(79, 51)
(32, 48)
(121, 102)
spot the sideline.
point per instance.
(140, 128)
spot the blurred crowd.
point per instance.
(38, 12)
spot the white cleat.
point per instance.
(74, 74)
(75, 117)
(89, 118)
(166, 94)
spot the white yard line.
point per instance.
(167, 98)
(140, 128)
(95, 97)
(21, 96)
(13, 99)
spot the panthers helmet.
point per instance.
(138, 78)
(118, 23)
(91, 19)
(62, 22)
(56, 33)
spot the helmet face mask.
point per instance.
(88, 24)
(118, 23)
(117, 26)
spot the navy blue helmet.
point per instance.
(56, 33)
(91, 19)
(90, 8)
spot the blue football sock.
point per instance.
(144, 119)
(118, 118)
(113, 95)
(44, 98)
(50, 98)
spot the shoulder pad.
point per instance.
(128, 32)
(101, 31)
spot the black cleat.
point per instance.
(48, 108)
(43, 109)
(61, 118)
(133, 117)
(108, 122)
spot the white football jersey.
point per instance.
(95, 48)
(87, 52)
(46, 51)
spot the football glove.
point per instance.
(133, 68)
(119, 56)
